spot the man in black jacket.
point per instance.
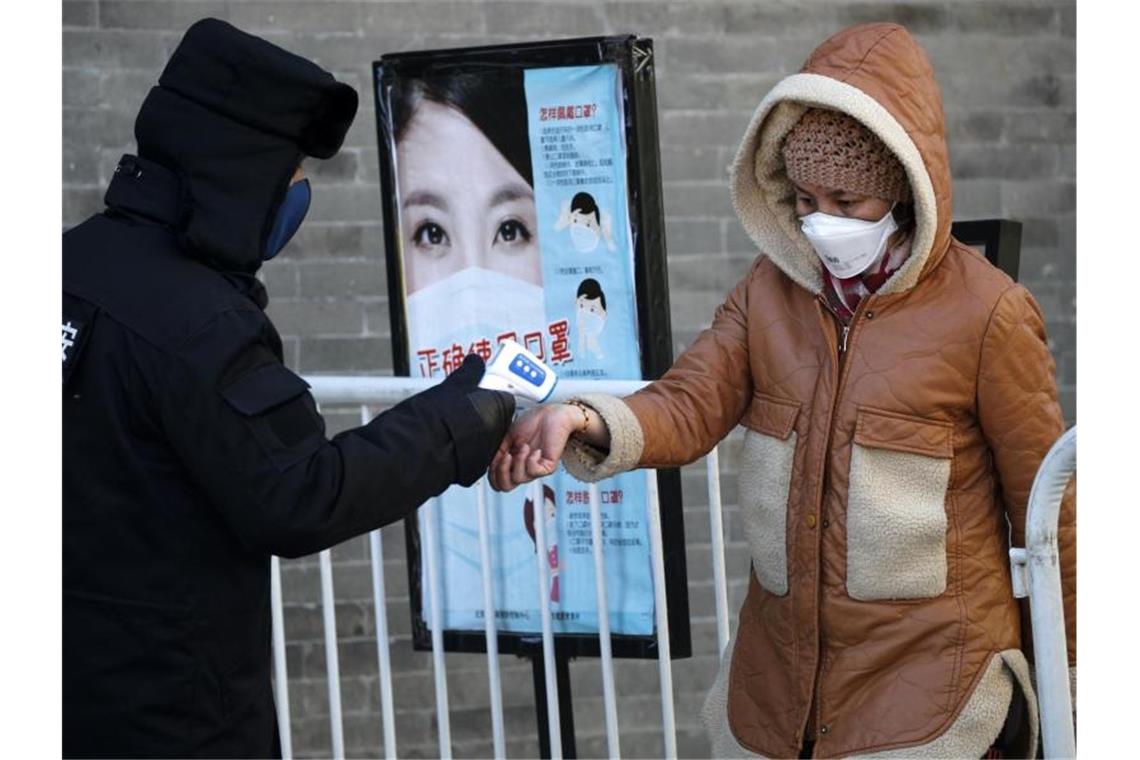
(190, 453)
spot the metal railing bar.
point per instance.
(613, 744)
(554, 716)
(498, 734)
(716, 539)
(280, 669)
(380, 608)
(439, 667)
(332, 659)
(664, 662)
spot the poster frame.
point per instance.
(634, 57)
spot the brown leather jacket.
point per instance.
(876, 480)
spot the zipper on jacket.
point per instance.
(843, 340)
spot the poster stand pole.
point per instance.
(565, 704)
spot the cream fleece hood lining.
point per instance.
(764, 198)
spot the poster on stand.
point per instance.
(521, 197)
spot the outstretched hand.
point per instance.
(533, 446)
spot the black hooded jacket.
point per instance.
(190, 452)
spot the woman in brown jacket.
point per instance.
(898, 396)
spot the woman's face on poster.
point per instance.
(462, 204)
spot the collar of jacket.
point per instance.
(144, 188)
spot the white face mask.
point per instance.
(847, 247)
(470, 305)
(583, 238)
(590, 323)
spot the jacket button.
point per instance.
(826, 522)
(823, 729)
(811, 521)
(870, 315)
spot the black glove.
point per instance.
(494, 411)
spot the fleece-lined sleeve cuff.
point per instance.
(589, 463)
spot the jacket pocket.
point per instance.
(279, 411)
(765, 479)
(896, 506)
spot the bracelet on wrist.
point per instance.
(585, 414)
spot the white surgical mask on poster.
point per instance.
(590, 323)
(584, 239)
(473, 303)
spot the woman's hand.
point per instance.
(533, 446)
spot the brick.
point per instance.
(81, 88)
(281, 279)
(697, 273)
(562, 19)
(736, 91)
(165, 16)
(1042, 264)
(322, 241)
(317, 318)
(807, 21)
(114, 49)
(1007, 162)
(1068, 21)
(685, 238)
(376, 319)
(974, 126)
(92, 126)
(1022, 198)
(681, 163)
(290, 17)
(698, 199)
(918, 18)
(663, 19)
(344, 355)
(341, 168)
(702, 129)
(342, 280)
(124, 90)
(346, 203)
(349, 51)
(749, 55)
(79, 13)
(976, 198)
(1006, 19)
(1042, 126)
(80, 164)
(80, 203)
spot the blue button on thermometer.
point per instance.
(518, 371)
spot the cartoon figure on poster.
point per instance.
(468, 219)
(588, 224)
(591, 317)
(550, 514)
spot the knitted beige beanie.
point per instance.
(832, 149)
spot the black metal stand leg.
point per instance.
(565, 706)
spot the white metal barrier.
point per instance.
(1040, 561)
(387, 391)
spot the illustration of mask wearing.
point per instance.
(590, 303)
(517, 371)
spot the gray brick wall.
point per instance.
(1007, 70)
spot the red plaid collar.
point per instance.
(845, 294)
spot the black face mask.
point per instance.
(289, 217)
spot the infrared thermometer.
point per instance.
(518, 371)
